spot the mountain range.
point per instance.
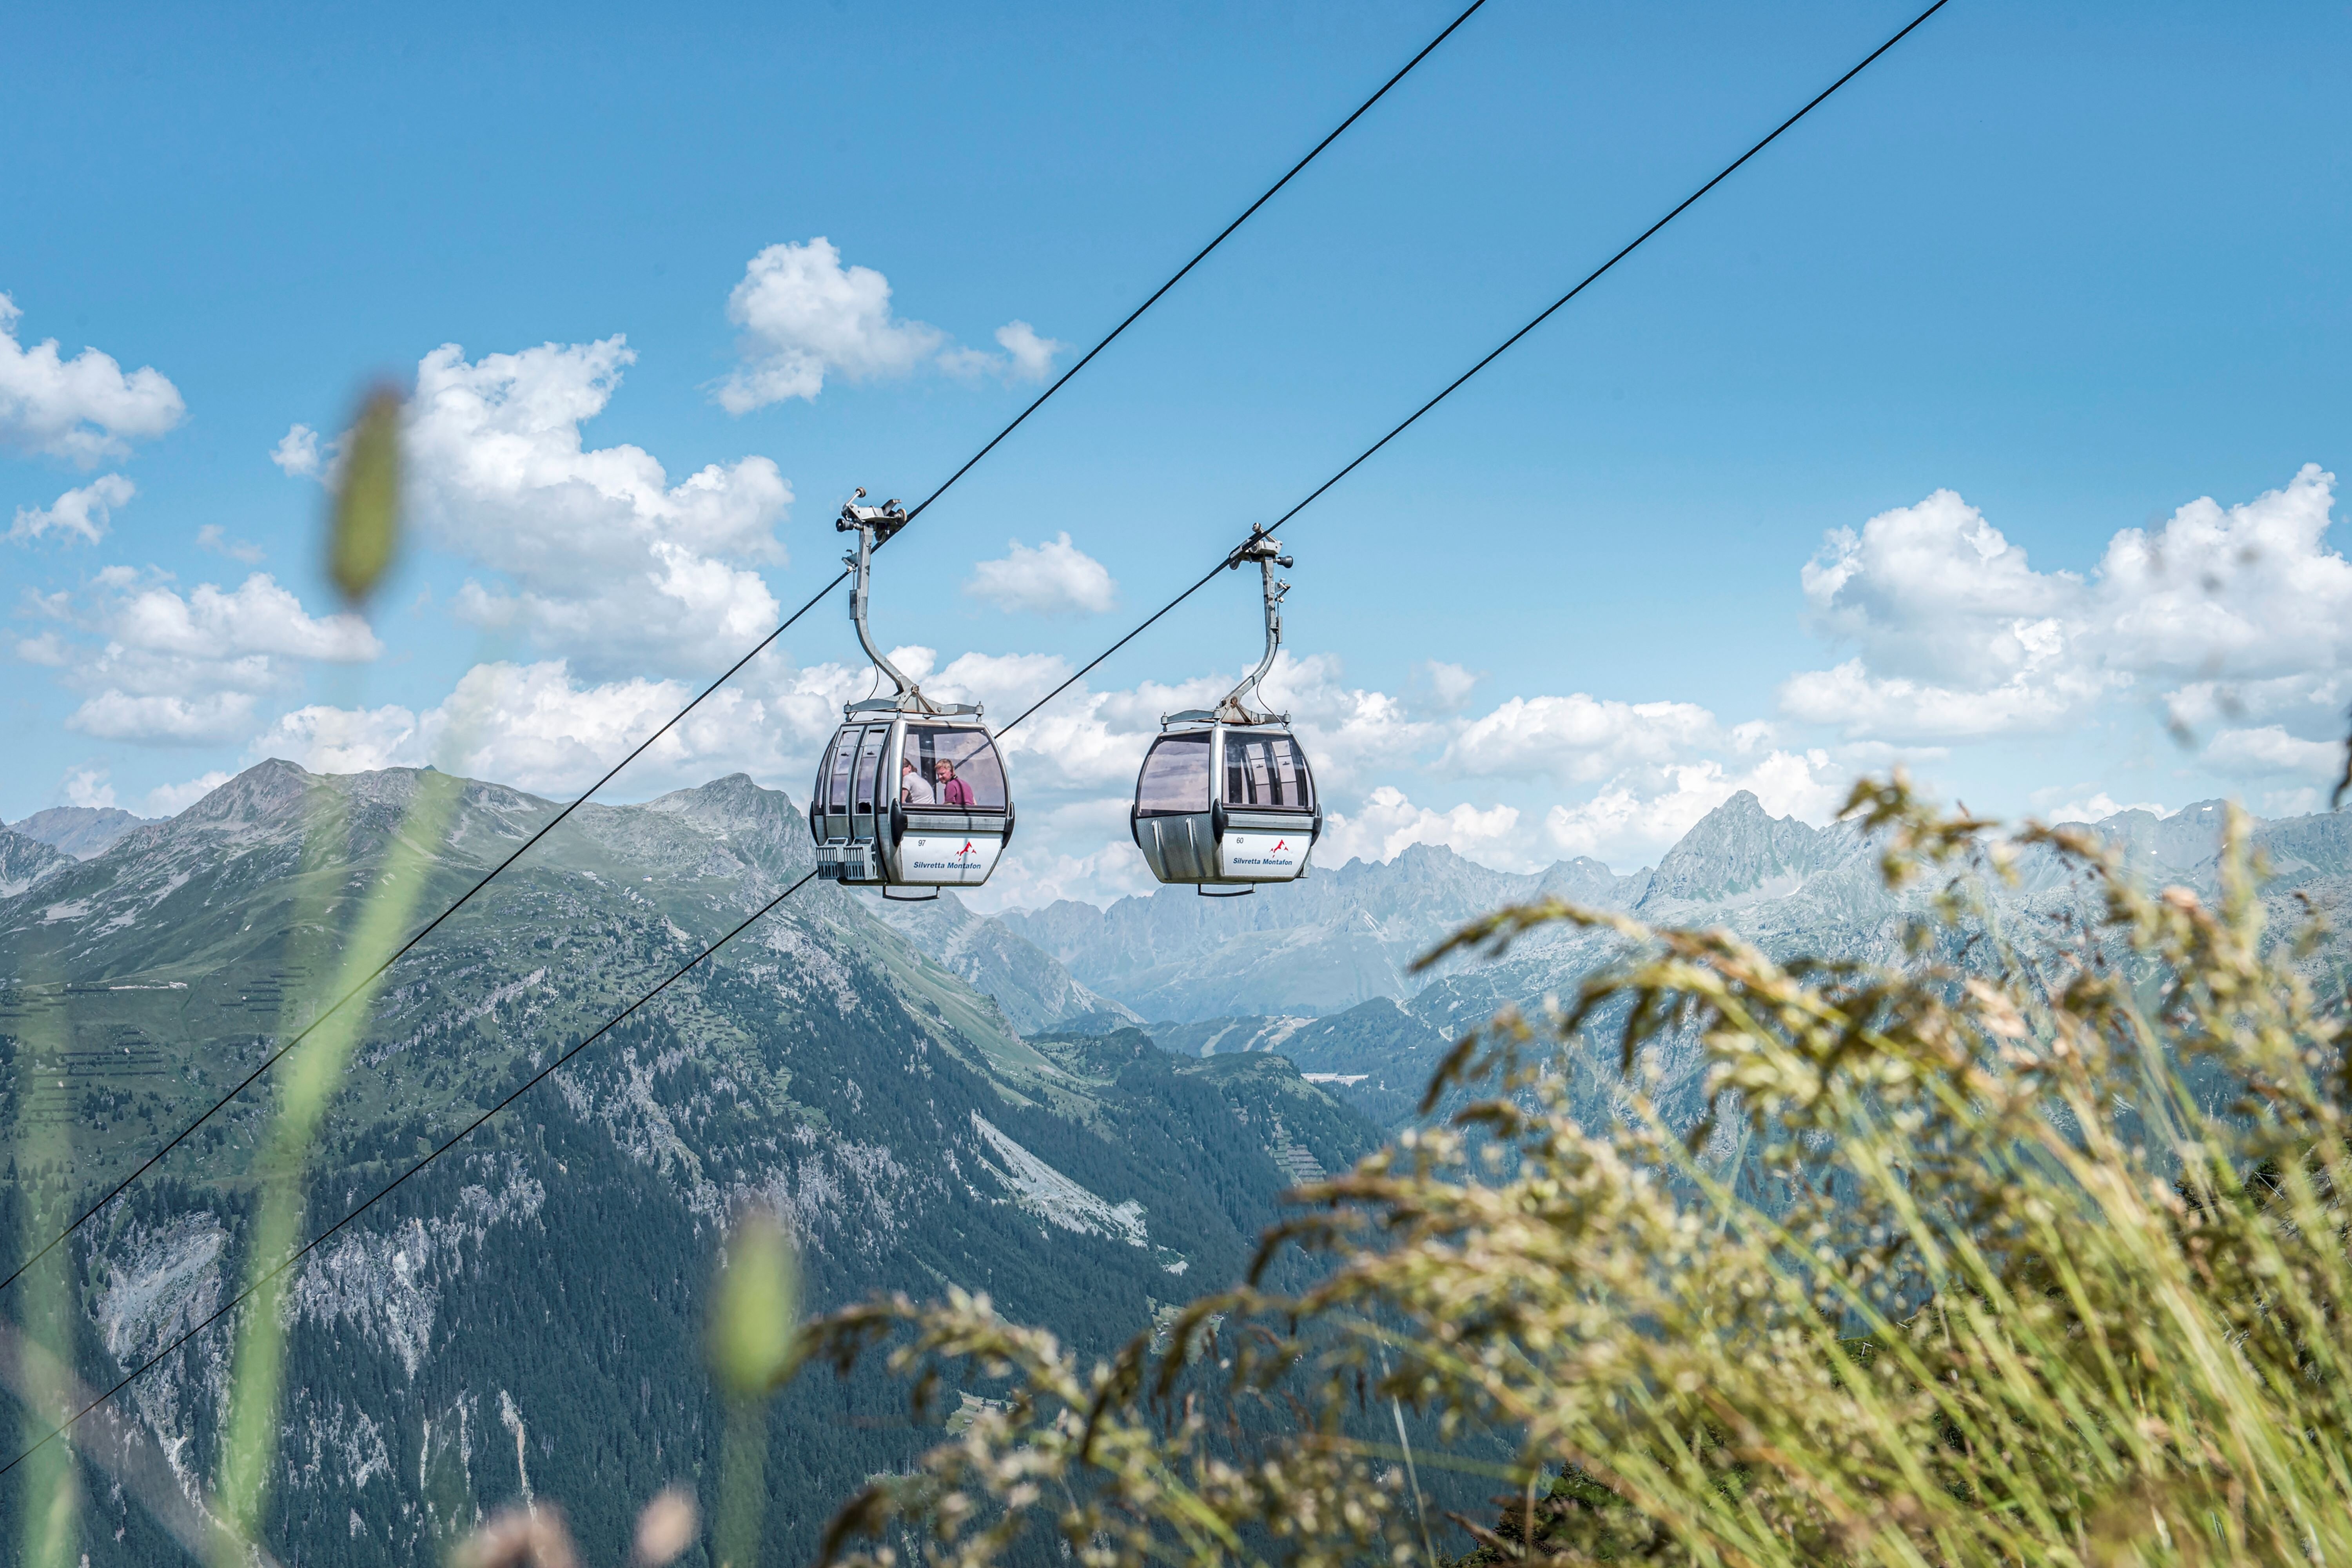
(1089, 1113)
(526, 1313)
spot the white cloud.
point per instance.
(1864, 704)
(257, 618)
(537, 728)
(2268, 750)
(1578, 738)
(1633, 820)
(83, 409)
(803, 314)
(1449, 685)
(169, 800)
(1026, 356)
(1960, 637)
(213, 537)
(84, 513)
(2098, 808)
(156, 665)
(297, 452)
(1387, 822)
(1054, 578)
(88, 788)
(163, 720)
(611, 566)
(1031, 356)
(327, 740)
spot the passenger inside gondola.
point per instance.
(913, 789)
(960, 765)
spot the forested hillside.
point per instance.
(526, 1314)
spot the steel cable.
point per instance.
(1497, 353)
(398, 954)
(397, 1182)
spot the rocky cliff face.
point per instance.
(527, 1313)
(24, 861)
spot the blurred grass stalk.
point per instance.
(752, 1343)
(363, 533)
(309, 1081)
(48, 1487)
(2035, 1252)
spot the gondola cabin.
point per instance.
(1225, 805)
(911, 792)
(1225, 800)
(909, 800)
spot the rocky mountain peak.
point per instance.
(81, 831)
(727, 805)
(1740, 850)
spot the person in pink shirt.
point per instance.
(953, 790)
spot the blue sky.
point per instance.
(2080, 269)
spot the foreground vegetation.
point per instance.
(2024, 1249)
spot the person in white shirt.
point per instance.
(913, 788)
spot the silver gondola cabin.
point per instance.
(911, 792)
(1225, 800)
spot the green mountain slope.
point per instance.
(527, 1313)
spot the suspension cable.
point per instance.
(397, 1182)
(398, 954)
(1497, 353)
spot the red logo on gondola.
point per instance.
(965, 850)
(1280, 844)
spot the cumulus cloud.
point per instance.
(1387, 822)
(1633, 820)
(540, 728)
(213, 537)
(163, 719)
(83, 409)
(1054, 578)
(156, 665)
(1031, 356)
(297, 452)
(1443, 687)
(1579, 738)
(2270, 749)
(169, 800)
(805, 316)
(2097, 808)
(84, 512)
(1959, 637)
(89, 788)
(1026, 356)
(607, 562)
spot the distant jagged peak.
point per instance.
(265, 790)
(279, 795)
(83, 832)
(1741, 849)
(733, 801)
(1584, 880)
